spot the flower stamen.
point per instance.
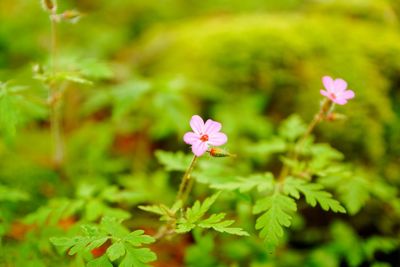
(204, 138)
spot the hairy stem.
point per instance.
(184, 190)
(325, 107)
(186, 184)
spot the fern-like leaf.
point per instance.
(313, 193)
(276, 211)
(216, 222)
(193, 217)
(263, 182)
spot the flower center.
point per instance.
(333, 95)
(204, 138)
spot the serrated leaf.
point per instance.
(63, 243)
(144, 255)
(263, 182)
(184, 227)
(83, 243)
(216, 222)
(137, 257)
(78, 243)
(354, 193)
(116, 251)
(199, 209)
(100, 262)
(276, 211)
(193, 217)
(90, 230)
(137, 238)
(313, 193)
(292, 128)
(113, 227)
(97, 242)
(173, 161)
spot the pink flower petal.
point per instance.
(217, 139)
(197, 124)
(324, 93)
(340, 85)
(349, 94)
(191, 138)
(340, 101)
(199, 148)
(328, 83)
(212, 127)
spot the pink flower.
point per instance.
(336, 90)
(204, 135)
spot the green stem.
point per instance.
(55, 101)
(325, 107)
(186, 184)
(184, 190)
(53, 43)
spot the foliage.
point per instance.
(193, 217)
(277, 215)
(114, 92)
(125, 246)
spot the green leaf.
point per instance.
(92, 238)
(137, 257)
(137, 238)
(113, 227)
(267, 147)
(313, 193)
(71, 76)
(379, 243)
(173, 161)
(63, 243)
(156, 209)
(166, 213)
(263, 182)
(204, 245)
(9, 116)
(116, 251)
(216, 222)
(199, 209)
(97, 242)
(125, 245)
(10, 194)
(78, 243)
(347, 243)
(194, 217)
(53, 212)
(83, 243)
(354, 193)
(292, 128)
(100, 262)
(276, 211)
(183, 227)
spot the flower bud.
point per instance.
(72, 16)
(219, 152)
(49, 5)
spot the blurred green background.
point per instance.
(155, 63)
